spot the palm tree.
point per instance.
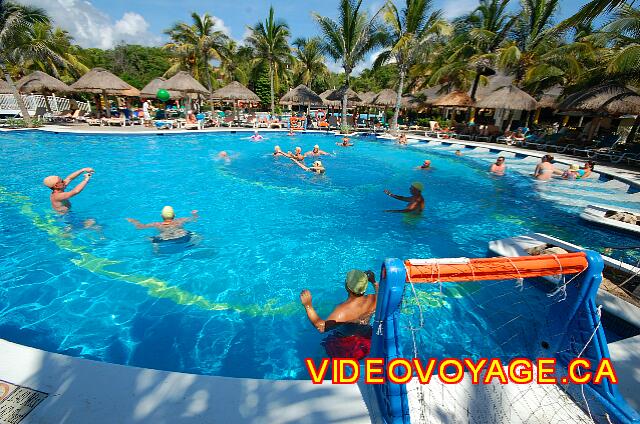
(349, 38)
(533, 37)
(491, 24)
(16, 21)
(406, 29)
(271, 43)
(623, 34)
(196, 45)
(311, 64)
(235, 65)
(592, 10)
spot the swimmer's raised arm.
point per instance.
(194, 217)
(75, 175)
(395, 196)
(64, 195)
(312, 315)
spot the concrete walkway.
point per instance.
(80, 391)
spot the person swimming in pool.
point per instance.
(425, 165)
(317, 166)
(170, 228)
(498, 168)
(345, 142)
(315, 152)
(256, 136)
(60, 198)
(297, 155)
(458, 153)
(545, 169)
(291, 133)
(416, 201)
(357, 308)
(277, 151)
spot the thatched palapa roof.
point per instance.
(38, 82)
(101, 81)
(454, 99)
(603, 99)
(410, 102)
(510, 97)
(301, 95)
(367, 98)
(330, 103)
(338, 94)
(183, 82)
(235, 91)
(385, 98)
(151, 90)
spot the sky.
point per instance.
(106, 23)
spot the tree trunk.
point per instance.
(344, 122)
(634, 130)
(396, 112)
(208, 77)
(17, 96)
(273, 106)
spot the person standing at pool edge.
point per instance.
(358, 308)
(60, 198)
(416, 201)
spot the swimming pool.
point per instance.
(229, 304)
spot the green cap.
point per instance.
(357, 281)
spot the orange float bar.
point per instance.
(463, 269)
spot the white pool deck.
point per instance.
(83, 391)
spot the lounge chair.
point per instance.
(602, 146)
(166, 124)
(613, 155)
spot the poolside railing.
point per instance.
(9, 105)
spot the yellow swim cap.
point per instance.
(317, 164)
(51, 180)
(357, 281)
(167, 213)
(418, 186)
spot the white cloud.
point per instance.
(453, 9)
(91, 27)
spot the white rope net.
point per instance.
(485, 319)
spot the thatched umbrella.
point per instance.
(234, 92)
(39, 82)
(385, 98)
(431, 94)
(301, 95)
(330, 103)
(100, 81)
(151, 90)
(410, 102)
(454, 99)
(338, 94)
(602, 100)
(550, 97)
(185, 84)
(511, 98)
(367, 98)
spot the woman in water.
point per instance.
(587, 169)
(170, 228)
(256, 136)
(345, 142)
(545, 169)
(297, 155)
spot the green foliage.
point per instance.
(376, 79)
(135, 64)
(263, 89)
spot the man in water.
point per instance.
(316, 152)
(458, 153)
(59, 197)
(416, 201)
(345, 142)
(277, 151)
(358, 308)
(170, 228)
(256, 136)
(425, 165)
(499, 167)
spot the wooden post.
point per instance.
(536, 117)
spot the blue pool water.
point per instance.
(228, 304)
